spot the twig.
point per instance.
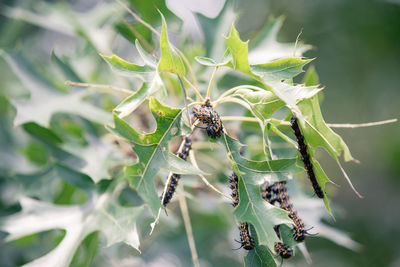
(188, 227)
(142, 40)
(210, 83)
(232, 90)
(344, 125)
(193, 87)
(359, 125)
(239, 118)
(204, 179)
(186, 61)
(148, 26)
(348, 179)
(233, 100)
(100, 86)
(184, 98)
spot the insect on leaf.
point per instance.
(153, 152)
(252, 207)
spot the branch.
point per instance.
(105, 87)
(359, 125)
(188, 227)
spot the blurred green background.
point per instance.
(357, 51)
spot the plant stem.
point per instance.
(188, 227)
(239, 118)
(148, 26)
(232, 90)
(232, 100)
(107, 88)
(187, 65)
(193, 87)
(142, 40)
(210, 83)
(204, 179)
(343, 125)
(359, 125)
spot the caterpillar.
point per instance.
(246, 241)
(174, 177)
(233, 181)
(282, 250)
(280, 192)
(206, 114)
(305, 157)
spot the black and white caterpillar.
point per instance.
(173, 179)
(305, 156)
(246, 240)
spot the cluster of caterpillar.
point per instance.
(207, 114)
(305, 157)
(279, 191)
(246, 240)
(174, 178)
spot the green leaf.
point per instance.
(317, 133)
(66, 68)
(252, 207)
(322, 179)
(42, 184)
(40, 111)
(101, 213)
(239, 52)
(99, 157)
(285, 68)
(170, 61)
(147, 58)
(311, 77)
(211, 62)
(267, 47)
(59, 18)
(291, 94)
(288, 93)
(132, 102)
(147, 72)
(126, 68)
(153, 152)
(260, 256)
(263, 103)
(312, 212)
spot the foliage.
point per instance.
(95, 159)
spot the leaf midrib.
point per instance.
(157, 147)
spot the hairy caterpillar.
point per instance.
(282, 250)
(246, 240)
(305, 157)
(280, 195)
(206, 114)
(174, 177)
